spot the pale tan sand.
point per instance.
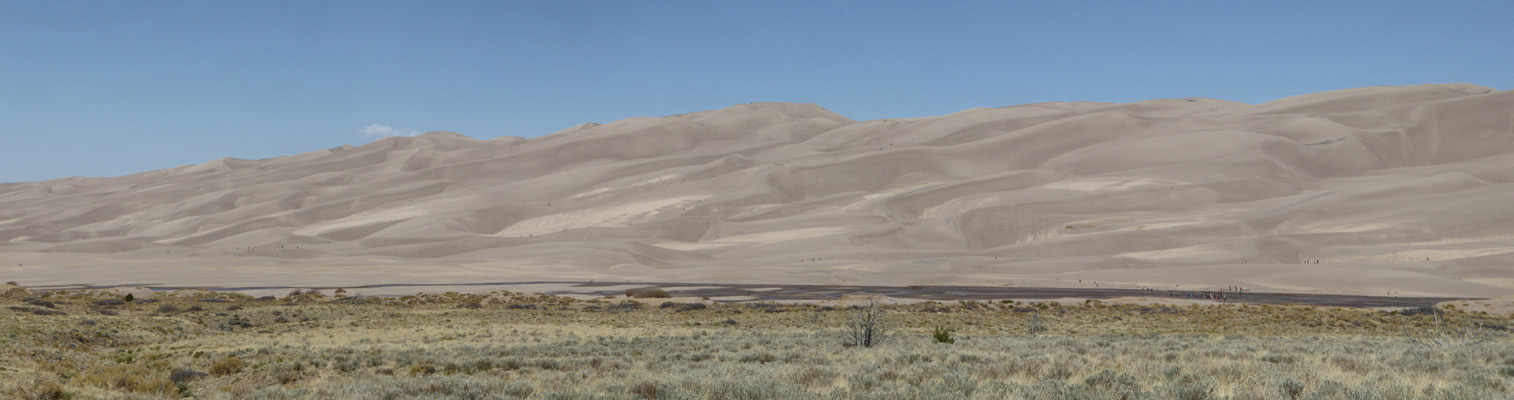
(1392, 189)
(1497, 306)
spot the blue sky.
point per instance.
(105, 88)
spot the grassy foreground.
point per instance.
(81, 345)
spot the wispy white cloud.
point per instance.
(377, 130)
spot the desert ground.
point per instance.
(95, 344)
(1371, 191)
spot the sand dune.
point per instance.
(1407, 189)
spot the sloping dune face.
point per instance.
(1364, 190)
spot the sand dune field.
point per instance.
(1364, 191)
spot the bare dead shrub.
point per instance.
(1442, 334)
(1034, 326)
(866, 327)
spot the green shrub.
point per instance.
(647, 293)
(944, 335)
(422, 369)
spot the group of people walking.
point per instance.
(1221, 295)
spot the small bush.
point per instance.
(1278, 359)
(227, 366)
(168, 309)
(647, 390)
(944, 335)
(813, 376)
(866, 326)
(233, 308)
(49, 390)
(126, 377)
(1292, 388)
(129, 298)
(1424, 310)
(761, 358)
(181, 376)
(645, 293)
(38, 311)
(1112, 382)
(692, 307)
(1193, 391)
(422, 369)
(518, 389)
(1034, 326)
(288, 373)
(627, 305)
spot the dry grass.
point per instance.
(533, 346)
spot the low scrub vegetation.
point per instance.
(513, 345)
(646, 293)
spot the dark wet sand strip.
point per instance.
(778, 292)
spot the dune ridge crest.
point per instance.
(1369, 190)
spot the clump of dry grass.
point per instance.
(227, 366)
(127, 378)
